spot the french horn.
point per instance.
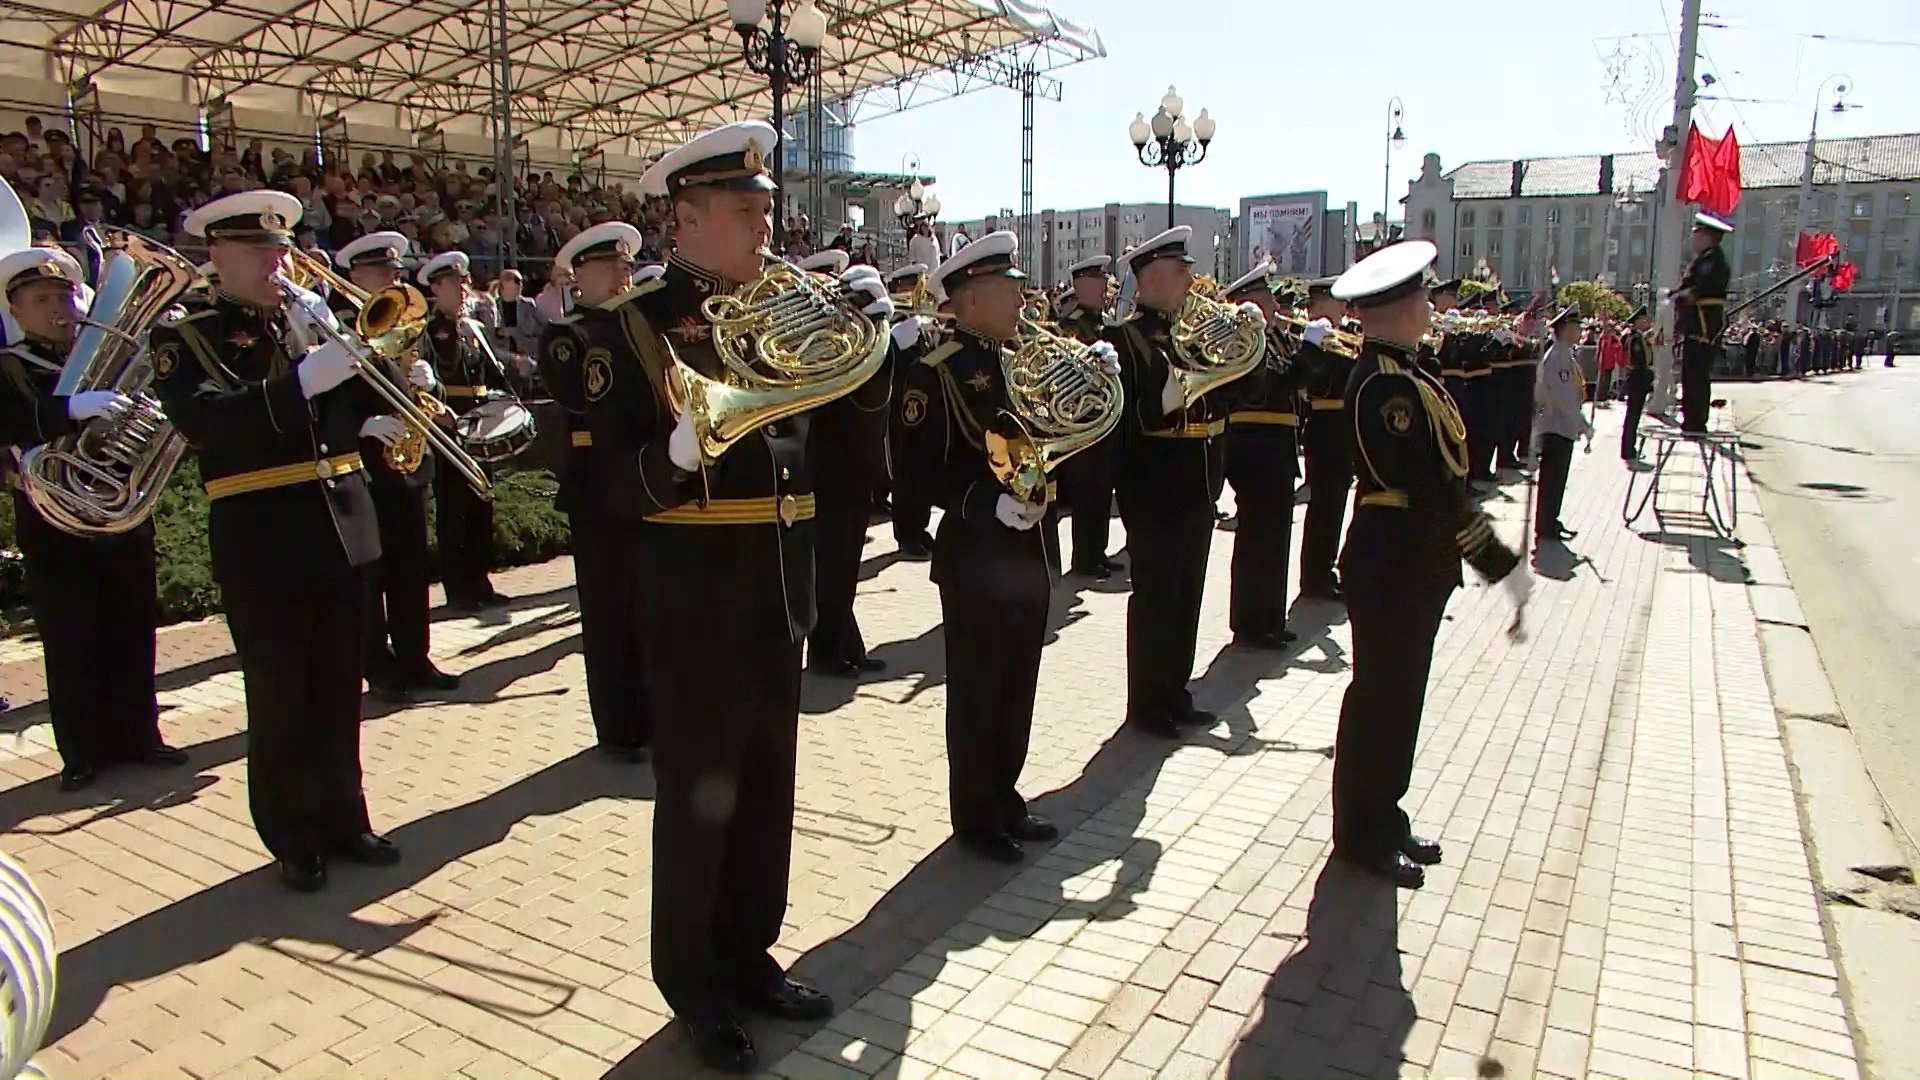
(1063, 401)
(1214, 341)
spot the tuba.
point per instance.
(1214, 342)
(107, 478)
(1063, 401)
(788, 342)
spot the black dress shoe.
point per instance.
(370, 849)
(1034, 830)
(1160, 727)
(77, 777)
(1197, 718)
(164, 755)
(723, 1045)
(304, 873)
(917, 550)
(631, 753)
(1421, 850)
(789, 1000)
(1272, 639)
(1391, 865)
(1566, 533)
(1100, 572)
(465, 605)
(999, 848)
(495, 599)
(389, 688)
(867, 665)
(432, 678)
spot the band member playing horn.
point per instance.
(398, 634)
(911, 512)
(291, 525)
(93, 597)
(846, 446)
(1262, 462)
(1699, 317)
(1412, 527)
(455, 345)
(1172, 469)
(1639, 380)
(989, 560)
(1326, 446)
(600, 263)
(1086, 479)
(908, 288)
(721, 506)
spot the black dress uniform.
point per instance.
(604, 564)
(724, 567)
(397, 624)
(1086, 478)
(1263, 461)
(464, 520)
(1699, 317)
(93, 598)
(1639, 384)
(847, 450)
(1172, 468)
(1476, 403)
(1411, 528)
(911, 511)
(995, 586)
(1511, 385)
(293, 536)
(1327, 446)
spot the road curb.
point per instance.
(1860, 865)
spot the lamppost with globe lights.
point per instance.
(1170, 141)
(1395, 139)
(784, 47)
(915, 204)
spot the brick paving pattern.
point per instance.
(1626, 891)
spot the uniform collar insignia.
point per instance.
(241, 338)
(981, 381)
(705, 281)
(692, 328)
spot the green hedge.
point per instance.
(526, 529)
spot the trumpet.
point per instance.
(389, 323)
(1293, 327)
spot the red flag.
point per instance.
(1810, 248)
(1710, 173)
(1843, 277)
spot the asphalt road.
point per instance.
(1836, 460)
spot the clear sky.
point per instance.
(1300, 89)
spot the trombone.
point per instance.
(390, 321)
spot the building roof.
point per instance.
(1762, 165)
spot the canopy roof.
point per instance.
(594, 70)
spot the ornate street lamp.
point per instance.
(784, 47)
(1170, 141)
(1396, 138)
(915, 205)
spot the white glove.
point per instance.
(906, 333)
(683, 449)
(1317, 331)
(421, 375)
(1254, 309)
(1170, 397)
(1504, 337)
(1517, 585)
(1017, 515)
(388, 429)
(1109, 356)
(94, 404)
(325, 368)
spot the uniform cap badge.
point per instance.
(751, 158)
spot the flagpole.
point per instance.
(1670, 220)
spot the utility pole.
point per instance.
(1670, 221)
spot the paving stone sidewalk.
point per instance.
(1626, 892)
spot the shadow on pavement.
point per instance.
(1707, 553)
(1336, 1006)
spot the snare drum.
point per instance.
(496, 430)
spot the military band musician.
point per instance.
(911, 513)
(1263, 460)
(456, 345)
(93, 597)
(275, 422)
(1325, 443)
(1086, 479)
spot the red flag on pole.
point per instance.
(1843, 277)
(1710, 174)
(1810, 248)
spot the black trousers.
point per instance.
(839, 537)
(1168, 555)
(397, 634)
(1556, 458)
(94, 604)
(1696, 382)
(464, 524)
(1329, 479)
(1394, 609)
(1630, 429)
(607, 593)
(1086, 484)
(301, 643)
(723, 765)
(1515, 395)
(1479, 408)
(993, 599)
(1260, 468)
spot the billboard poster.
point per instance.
(1285, 228)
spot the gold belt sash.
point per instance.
(1263, 416)
(1325, 403)
(1476, 373)
(581, 438)
(465, 391)
(280, 476)
(1192, 431)
(768, 510)
(1390, 498)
